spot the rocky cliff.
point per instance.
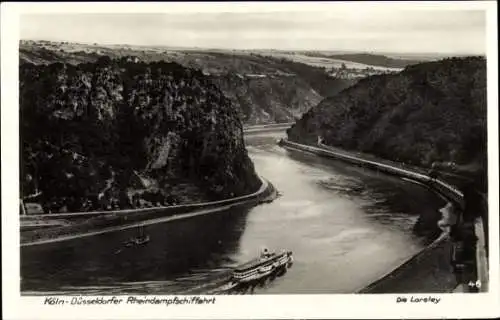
(429, 113)
(122, 134)
(267, 99)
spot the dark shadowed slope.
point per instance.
(118, 133)
(430, 112)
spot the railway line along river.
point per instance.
(346, 226)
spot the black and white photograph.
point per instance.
(236, 150)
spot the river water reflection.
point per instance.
(346, 226)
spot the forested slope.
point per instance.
(120, 134)
(432, 112)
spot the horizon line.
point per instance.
(348, 51)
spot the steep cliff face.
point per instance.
(267, 99)
(430, 112)
(119, 134)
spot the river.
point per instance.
(346, 226)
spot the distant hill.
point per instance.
(263, 89)
(375, 60)
(430, 112)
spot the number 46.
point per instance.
(476, 284)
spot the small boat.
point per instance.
(142, 240)
(267, 264)
(139, 240)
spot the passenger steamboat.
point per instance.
(267, 264)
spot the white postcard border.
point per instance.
(232, 307)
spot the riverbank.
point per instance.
(262, 128)
(434, 261)
(102, 222)
(429, 271)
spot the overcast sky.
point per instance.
(358, 30)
